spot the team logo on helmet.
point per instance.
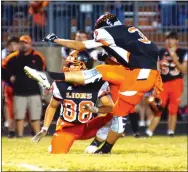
(107, 20)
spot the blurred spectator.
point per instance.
(145, 113)
(173, 64)
(117, 9)
(26, 91)
(8, 90)
(36, 10)
(182, 18)
(12, 45)
(168, 14)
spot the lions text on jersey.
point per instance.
(74, 98)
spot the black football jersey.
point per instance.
(168, 68)
(128, 45)
(74, 98)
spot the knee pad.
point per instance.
(91, 76)
(118, 124)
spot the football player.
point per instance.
(78, 115)
(136, 74)
(173, 65)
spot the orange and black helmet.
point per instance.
(79, 59)
(107, 20)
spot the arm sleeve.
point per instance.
(55, 92)
(101, 38)
(104, 90)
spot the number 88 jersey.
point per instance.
(74, 98)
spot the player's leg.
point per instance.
(142, 112)
(132, 89)
(64, 137)
(97, 128)
(20, 106)
(9, 105)
(117, 126)
(174, 101)
(35, 111)
(111, 73)
(134, 118)
(80, 77)
(62, 141)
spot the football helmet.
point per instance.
(107, 20)
(78, 60)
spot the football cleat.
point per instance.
(38, 76)
(90, 149)
(100, 151)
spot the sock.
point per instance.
(56, 76)
(96, 143)
(149, 133)
(148, 122)
(170, 132)
(134, 122)
(106, 148)
(142, 123)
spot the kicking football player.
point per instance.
(78, 115)
(136, 75)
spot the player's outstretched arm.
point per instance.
(49, 115)
(77, 45)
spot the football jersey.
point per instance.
(74, 98)
(168, 68)
(128, 45)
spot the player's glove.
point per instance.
(50, 37)
(102, 57)
(92, 109)
(40, 135)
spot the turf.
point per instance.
(144, 154)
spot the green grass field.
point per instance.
(144, 154)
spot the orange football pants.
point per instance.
(133, 84)
(114, 90)
(172, 91)
(9, 94)
(66, 133)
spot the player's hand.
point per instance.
(50, 37)
(92, 109)
(39, 136)
(172, 52)
(102, 57)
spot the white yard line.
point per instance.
(27, 166)
(31, 167)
